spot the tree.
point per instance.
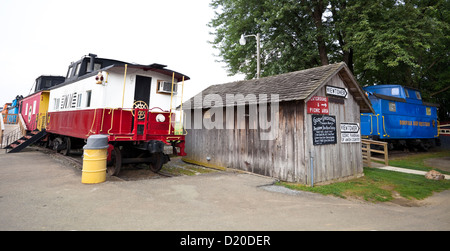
(401, 42)
(382, 41)
(290, 41)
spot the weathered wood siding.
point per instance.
(243, 149)
(287, 157)
(341, 160)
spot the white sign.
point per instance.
(350, 133)
(336, 91)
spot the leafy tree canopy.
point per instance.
(382, 41)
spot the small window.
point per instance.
(395, 91)
(34, 107)
(74, 100)
(63, 100)
(38, 84)
(69, 72)
(26, 109)
(407, 93)
(79, 100)
(88, 98)
(392, 107)
(418, 95)
(96, 66)
(429, 111)
(56, 105)
(77, 69)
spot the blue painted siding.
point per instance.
(400, 114)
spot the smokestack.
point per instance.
(91, 67)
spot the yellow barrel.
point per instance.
(94, 166)
(94, 160)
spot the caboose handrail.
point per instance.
(151, 109)
(171, 98)
(384, 129)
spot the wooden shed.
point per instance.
(300, 127)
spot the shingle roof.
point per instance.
(298, 85)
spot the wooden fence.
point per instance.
(367, 151)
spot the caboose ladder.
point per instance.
(30, 138)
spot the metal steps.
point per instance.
(30, 138)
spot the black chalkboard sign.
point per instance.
(324, 129)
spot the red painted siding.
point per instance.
(30, 104)
(120, 124)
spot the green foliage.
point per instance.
(382, 41)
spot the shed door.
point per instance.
(142, 92)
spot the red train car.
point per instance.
(130, 103)
(33, 108)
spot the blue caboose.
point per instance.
(401, 117)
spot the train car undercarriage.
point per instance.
(121, 153)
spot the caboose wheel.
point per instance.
(158, 162)
(57, 144)
(113, 167)
(67, 143)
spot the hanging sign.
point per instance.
(324, 129)
(350, 132)
(336, 91)
(317, 105)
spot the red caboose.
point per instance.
(130, 103)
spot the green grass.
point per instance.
(379, 185)
(417, 160)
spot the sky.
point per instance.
(42, 37)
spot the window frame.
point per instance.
(392, 107)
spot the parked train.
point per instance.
(131, 103)
(401, 117)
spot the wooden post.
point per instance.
(386, 158)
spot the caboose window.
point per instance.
(88, 98)
(74, 100)
(63, 100)
(79, 99)
(418, 95)
(56, 105)
(429, 111)
(407, 93)
(395, 91)
(69, 72)
(392, 107)
(48, 83)
(77, 69)
(96, 66)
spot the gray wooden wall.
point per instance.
(341, 160)
(287, 157)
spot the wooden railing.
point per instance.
(367, 151)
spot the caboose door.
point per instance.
(142, 91)
(141, 101)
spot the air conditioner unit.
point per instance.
(166, 87)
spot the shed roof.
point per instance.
(298, 85)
